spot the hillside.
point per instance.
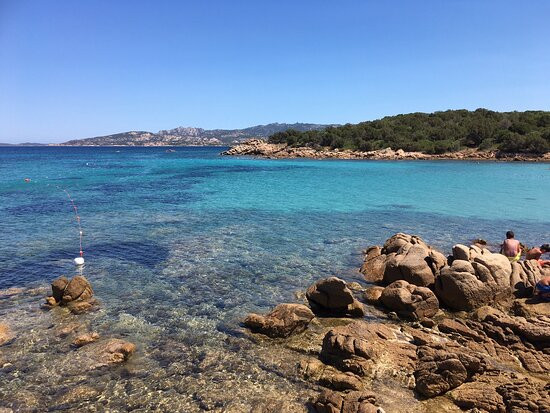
(434, 133)
(192, 136)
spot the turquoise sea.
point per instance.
(180, 246)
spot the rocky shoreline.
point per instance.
(458, 332)
(261, 148)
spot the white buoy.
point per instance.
(78, 261)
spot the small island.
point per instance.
(454, 134)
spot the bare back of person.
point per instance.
(510, 247)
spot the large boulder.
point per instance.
(58, 287)
(76, 294)
(331, 296)
(483, 279)
(403, 257)
(410, 301)
(282, 321)
(77, 289)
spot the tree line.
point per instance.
(435, 133)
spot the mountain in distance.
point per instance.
(23, 144)
(189, 136)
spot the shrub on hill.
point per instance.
(434, 133)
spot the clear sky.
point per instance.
(75, 69)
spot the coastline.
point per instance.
(263, 149)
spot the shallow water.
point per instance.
(180, 246)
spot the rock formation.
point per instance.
(410, 301)
(76, 294)
(282, 321)
(403, 257)
(476, 277)
(331, 296)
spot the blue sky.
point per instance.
(75, 69)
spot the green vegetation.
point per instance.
(435, 133)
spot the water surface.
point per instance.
(180, 246)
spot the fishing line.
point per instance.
(79, 261)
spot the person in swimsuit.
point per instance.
(536, 254)
(543, 288)
(511, 248)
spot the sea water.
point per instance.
(180, 246)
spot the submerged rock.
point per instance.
(282, 321)
(410, 301)
(83, 339)
(6, 335)
(105, 353)
(351, 402)
(331, 296)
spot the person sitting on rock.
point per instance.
(543, 288)
(511, 247)
(536, 254)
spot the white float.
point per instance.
(79, 261)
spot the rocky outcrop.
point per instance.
(76, 294)
(403, 257)
(524, 277)
(482, 278)
(261, 148)
(501, 393)
(350, 402)
(331, 296)
(410, 301)
(282, 321)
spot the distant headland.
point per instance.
(454, 134)
(190, 136)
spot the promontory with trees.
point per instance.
(477, 134)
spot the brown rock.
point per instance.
(374, 265)
(106, 352)
(524, 277)
(410, 301)
(372, 295)
(6, 335)
(331, 296)
(83, 306)
(466, 285)
(282, 321)
(409, 258)
(77, 289)
(58, 287)
(87, 338)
